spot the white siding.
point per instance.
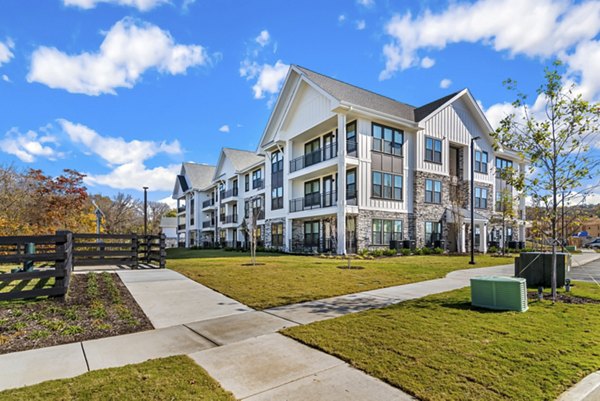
(308, 109)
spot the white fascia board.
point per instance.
(275, 108)
(349, 107)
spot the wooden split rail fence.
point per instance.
(41, 265)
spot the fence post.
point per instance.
(163, 250)
(64, 263)
(135, 249)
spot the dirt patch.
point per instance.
(97, 305)
(253, 264)
(564, 298)
(351, 267)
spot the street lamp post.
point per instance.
(145, 211)
(472, 261)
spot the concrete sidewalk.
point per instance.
(236, 345)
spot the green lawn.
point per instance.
(286, 279)
(174, 378)
(438, 348)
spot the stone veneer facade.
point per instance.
(267, 232)
(364, 226)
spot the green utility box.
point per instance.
(499, 293)
(536, 268)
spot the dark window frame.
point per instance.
(480, 200)
(383, 236)
(387, 192)
(432, 195)
(432, 155)
(394, 146)
(481, 166)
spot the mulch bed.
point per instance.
(97, 305)
(564, 298)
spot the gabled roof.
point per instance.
(199, 175)
(346, 92)
(427, 109)
(242, 159)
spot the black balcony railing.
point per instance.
(181, 227)
(313, 201)
(230, 218)
(208, 203)
(328, 152)
(208, 224)
(229, 193)
(258, 184)
(181, 209)
(312, 245)
(351, 196)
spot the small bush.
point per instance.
(438, 251)
(376, 253)
(405, 252)
(493, 249)
(390, 252)
(426, 251)
(72, 330)
(37, 334)
(511, 250)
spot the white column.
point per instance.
(522, 232)
(341, 185)
(483, 239)
(288, 234)
(461, 240)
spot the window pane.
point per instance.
(387, 134)
(428, 143)
(377, 131)
(438, 146)
(377, 178)
(428, 185)
(438, 186)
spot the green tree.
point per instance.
(555, 144)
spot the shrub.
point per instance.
(390, 252)
(37, 334)
(511, 250)
(363, 252)
(438, 251)
(71, 330)
(376, 253)
(405, 252)
(493, 249)
(426, 251)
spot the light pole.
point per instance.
(145, 211)
(472, 261)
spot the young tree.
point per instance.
(554, 143)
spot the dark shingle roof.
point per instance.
(425, 110)
(343, 91)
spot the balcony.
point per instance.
(181, 227)
(229, 193)
(208, 224)
(351, 197)
(320, 155)
(352, 148)
(258, 184)
(229, 219)
(181, 209)
(259, 216)
(312, 245)
(208, 203)
(313, 201)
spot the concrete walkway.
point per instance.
(236, 345)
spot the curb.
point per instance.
(587, 386)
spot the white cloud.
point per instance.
(128, 50)
(269, 78)
(366, 3)
(5, 51)
(224, 128)
(169, 201)
(135, 175)
(5, 78)
(584, 64)
(341, 18)
(445, 83)
(142, 5)
(263, 38)
(537, 29)
(186, 4)
(116, 150)
(427, 62)
(498, 112)
(361, 24)
(30, 145)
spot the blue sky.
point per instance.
(125, 90)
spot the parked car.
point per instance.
(595, 244)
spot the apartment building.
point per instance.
(345, 169)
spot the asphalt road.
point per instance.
(588, 272)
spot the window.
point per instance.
(235, 187)
(277, 198)
(501, 165)
(387, 186)
(246, 209)
(311, 233)
(481, 198)
(277, 234)
(387, 140)
(312, 152)
(277, 180)
(384, 231)
(257, 179)
(351, 184)
(312, 193)
(481, 162)
(433, 150)
(433, 191)
(247, 182)
(433, 231)
(351, 138)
